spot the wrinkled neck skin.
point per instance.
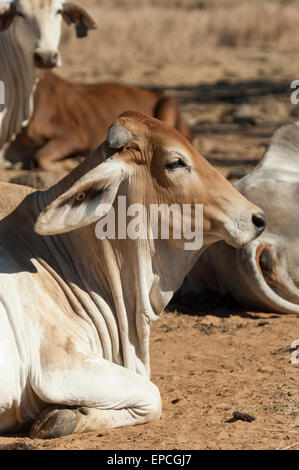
(123, 285)
(121, 295)
(20, 78)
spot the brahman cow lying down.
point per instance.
(265, 273)
(73, 119)
(76, 309)
(30, 32)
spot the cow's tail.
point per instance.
(167, 110)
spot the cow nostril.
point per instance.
(259, 221)
(38, 58)
(45, 59)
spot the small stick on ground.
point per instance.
(238, 416)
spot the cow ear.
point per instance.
(283, 152)
(282, 156)
(7, 14)
(86, 202)
(73, 13)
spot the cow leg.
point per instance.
(96, 395)
(56, 150)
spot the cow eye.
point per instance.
(20, 14)
(80, 197)
(59, 12)
(176, 164)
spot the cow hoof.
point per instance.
(53, 424)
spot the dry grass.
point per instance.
(157, 36)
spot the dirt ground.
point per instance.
(208, 365)
(213, 358)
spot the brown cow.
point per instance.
(72, 119)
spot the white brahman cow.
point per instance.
(76, 309)
(265, 273)
(30, 32)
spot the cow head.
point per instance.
(37, 26)
(151, 163)
(270, 264)
(264, 274)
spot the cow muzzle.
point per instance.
(239, 231)
(45, 59)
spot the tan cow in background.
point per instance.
(72, 119)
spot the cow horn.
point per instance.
(118, 137)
